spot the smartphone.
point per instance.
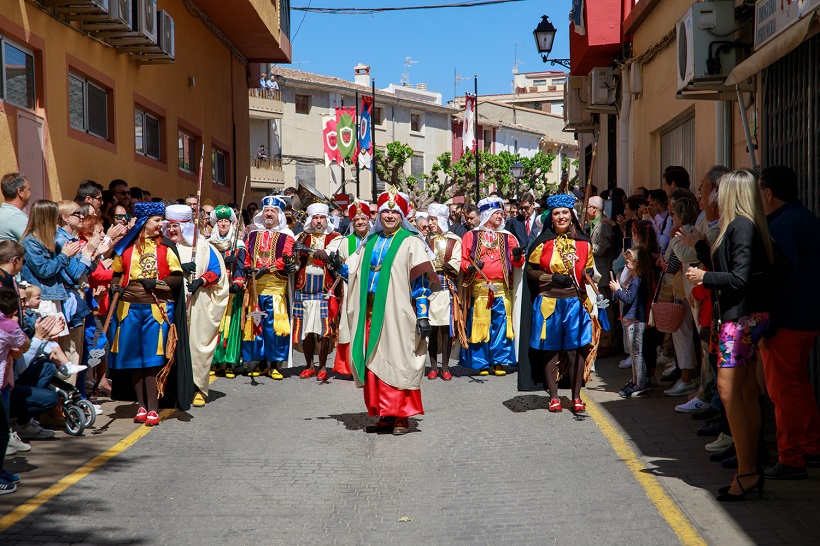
(627, 244)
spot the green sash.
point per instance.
(352, 244)
(359, 353)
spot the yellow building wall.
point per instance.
(216, 106)
(657, 108)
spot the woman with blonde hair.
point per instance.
(740, 275)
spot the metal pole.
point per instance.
(475, 131)
(373, 139)
(356, 156)
(744, 118)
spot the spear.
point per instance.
(236, 227)
(198, 202)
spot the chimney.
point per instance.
(361, 75)
(422, 86)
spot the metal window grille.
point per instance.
(678, 147)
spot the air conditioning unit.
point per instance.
(78, 10)
(145, 19)
(577, 119)
(602, 90)
(165, 27)
(706, 49)
(120, 17)
(79, 4)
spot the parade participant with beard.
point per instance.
(148, 279)
(227, 241)
(207, 282)
(447, 248)
(314, 311)
(391, 278)
(488, 255)
(561, 323)
(266, 336)
(359, 214)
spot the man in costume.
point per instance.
(447, 249)
(314, 311)
(391, 279)
(147, 283)
(268, 264)
(207, 282)
(560, 261)
(226, 239)
(488, 255)
(359, 214)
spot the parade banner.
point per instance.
(346, 131)
(576, 15)
(365, 147)
(468, 135)
(331, 141)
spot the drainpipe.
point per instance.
(623, 150)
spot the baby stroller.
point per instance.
(79, 413)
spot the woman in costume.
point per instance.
(148, 279)
(226, 239)
(561, 323)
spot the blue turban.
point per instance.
(273, 201)
(142, 212)
(561, 200)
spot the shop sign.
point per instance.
(772, 17)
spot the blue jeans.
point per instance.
(32, 395)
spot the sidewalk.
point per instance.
(666, 440)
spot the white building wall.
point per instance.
(513, 141)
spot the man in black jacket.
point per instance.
(524, 226)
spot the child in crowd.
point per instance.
(30, 296)
(636, 299)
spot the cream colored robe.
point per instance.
(339, 244)
(400, 355)
(204, 312)
(440, 301)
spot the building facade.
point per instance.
(82, 99)
(542, 91)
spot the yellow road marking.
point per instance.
(23, 511)
(668, 508)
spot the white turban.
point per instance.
(276, 203)
(317, 208)
(181, 214)
(442, 213)
(487, 207)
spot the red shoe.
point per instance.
(141, 414)
(321, 376)
(555, 405)
(308, 373)
(432, 375)
(578, 405)
(152, 419)
(447, 376)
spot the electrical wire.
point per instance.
(300, 23)
(370, 11)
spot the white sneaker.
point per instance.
(33, 431)
(10, 451)
(98, 409)
(681, 389)
(19, 445)
(69, 369)
(625, 363)
(723, 441)
(663, 359)
(693, 405)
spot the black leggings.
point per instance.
(577, 359)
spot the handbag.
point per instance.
(665, 316)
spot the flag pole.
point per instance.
(475, 132)
(356, 156)
(374, 188)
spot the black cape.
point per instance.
(179, 389)
(531, 361)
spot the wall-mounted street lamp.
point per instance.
(544, 35)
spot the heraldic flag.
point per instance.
(346, 131)
(365, 147)
(331, 140)
(468, 136)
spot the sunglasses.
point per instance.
(121, 192)
(78, 214)
(120, 217)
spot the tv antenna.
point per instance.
(405, 76)
(299, 64)
(457, 80)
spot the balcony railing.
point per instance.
(270, 94)
(258, 162)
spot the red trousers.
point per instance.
(795, 409)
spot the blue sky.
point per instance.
(478, 40)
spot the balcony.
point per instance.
(259, 28)
(267, 173)
(265, 103)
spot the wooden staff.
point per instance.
(236, 227)
(198, 203)
(113, 306)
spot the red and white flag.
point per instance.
(331, 141)
(468, 136)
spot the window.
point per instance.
(16, 75)
(678, 146)
(416, 122)
(558, 81)
(219, 162)
(539, 82)
(378, 116)
(303, 104)
(87, 106)
(187, 152)
(306, 172)
(147, 134)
